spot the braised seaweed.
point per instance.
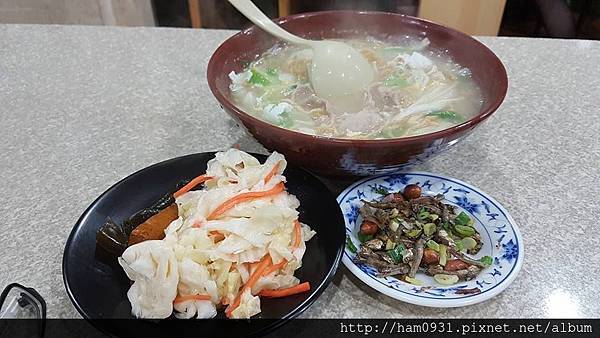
(113, 237)
(143, 215)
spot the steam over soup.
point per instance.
(417, 90)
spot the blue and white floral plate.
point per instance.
(500, 235)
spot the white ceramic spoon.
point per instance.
(338, 73)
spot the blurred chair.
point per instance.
(196, 19)
(283, 7)
(556, 17)
(475, 17)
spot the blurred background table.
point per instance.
(82, 107)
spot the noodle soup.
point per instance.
(417, 90)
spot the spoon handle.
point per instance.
(255, 15)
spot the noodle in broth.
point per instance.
(417, 90)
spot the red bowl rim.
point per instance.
(472, 122)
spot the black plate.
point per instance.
(98, 286)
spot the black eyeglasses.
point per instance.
(20, 302)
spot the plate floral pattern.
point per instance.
(500, 236)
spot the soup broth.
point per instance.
(417, 90)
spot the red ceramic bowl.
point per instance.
(343, 158)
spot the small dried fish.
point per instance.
(443, 237)
(418, 256)
(407, 242)
(465, 274)
(384, 267)
(445, 215)
(467, 291)
(368, 213)
(379, 216)
(365, 254)
(385, 257)
(400, 269)
(465, 259)
(374, 244)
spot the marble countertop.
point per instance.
(82, 107)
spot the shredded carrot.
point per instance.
(272, 172)
(297, 234)
(252, 266)
(286, 292)
(258, 272)
(224, 301)
(190, 297)
(244, 197)
(191, 185)
(275, 267)
(264, 263)
(234, 305)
